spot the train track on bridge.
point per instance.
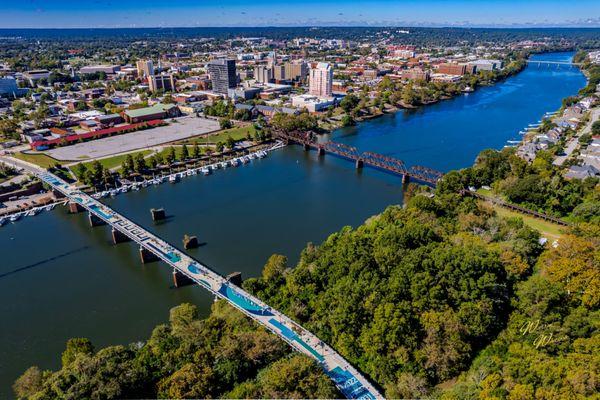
(375, 160)
(348, 380)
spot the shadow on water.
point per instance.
(42, 262)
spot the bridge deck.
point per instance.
(348, 380)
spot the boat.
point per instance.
(2, 221)
(206, 171)
(513, 141)
(50, 207)
(15, 217)
(224, 164)
(33, 212)
(114, 192)
(235, 162)
(173, 178)
(144, 184)
(97, 195)
(245, 160)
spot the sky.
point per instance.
(232, 13)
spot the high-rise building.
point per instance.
(279, 72)
(321, 80)
(164, 82)
(222, 74)
(296, 71)
(263, 74)
(145, 68)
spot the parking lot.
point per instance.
(183, 128)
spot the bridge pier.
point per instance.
(95, 220)
(306, 146)
(75, 208)
(158, 214)
(320, 151)
(235, 278)
(359, 164)
(190, 242)
(147, 256)
(405, 179)
(119, 237)
(180, 279)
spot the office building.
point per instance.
(321, 79)
(145, 68)
(452, 69)
(279, 72)
(95, 69)
(222, 75)
(165, 82)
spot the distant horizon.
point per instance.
(106, 14)
(312, 27)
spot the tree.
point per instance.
(29, 383)
(184, 153)
(220, 146)
(140, 163)
(349, 102)
(347, 120)
(196, 151)
(75, 347)
(225, 123)
(128, 165)
(170, 157)
(596, 128)
(230, 142)
(8, 128)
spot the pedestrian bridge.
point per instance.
(347, 379)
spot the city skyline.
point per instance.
(188, 13)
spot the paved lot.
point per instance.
(185, 127)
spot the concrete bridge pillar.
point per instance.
(306, 146)
(320, 151)
(190, 242)
(147, 256)
(119, 237)
(405, 179)
(359, 164)
(158, 214)
(235, 278)
(75, 208)
(180, 279)
(95, 220)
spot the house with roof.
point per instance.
(582, 172)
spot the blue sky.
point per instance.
(154, 13)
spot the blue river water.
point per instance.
(59, 278)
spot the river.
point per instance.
(59, 278)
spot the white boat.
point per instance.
(97, 195)
(114, 192)
(135, 187)
(235, 162)
(513, 141)
(224, 164)
(245, 160)
(206, 171)
(2, 221)
(33, 212)
(144, 184)
(50, 207)
(173, 178)
(15, 217)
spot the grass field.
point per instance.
(41, 160)
(235, 133)
(116, 161)
(546, 228)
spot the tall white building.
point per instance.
(145, 68)
(320, 80)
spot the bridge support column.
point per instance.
(359, 164)
(405, 179)
(180, 279)
(75, 208)
(95, 220)
(119, 237)
(306, 146)
(158, 214)
(320, 151)
(235, 278)
(147, 256)
(190, 242)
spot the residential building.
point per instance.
(279, 72)
(222, 74)
(8, 86)
(296, 71)
(165, 82)
(263, 74)
(145, 68)
(321, 80)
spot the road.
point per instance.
(574, 142)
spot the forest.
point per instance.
(440, 298)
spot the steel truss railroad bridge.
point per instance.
(375, 160)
